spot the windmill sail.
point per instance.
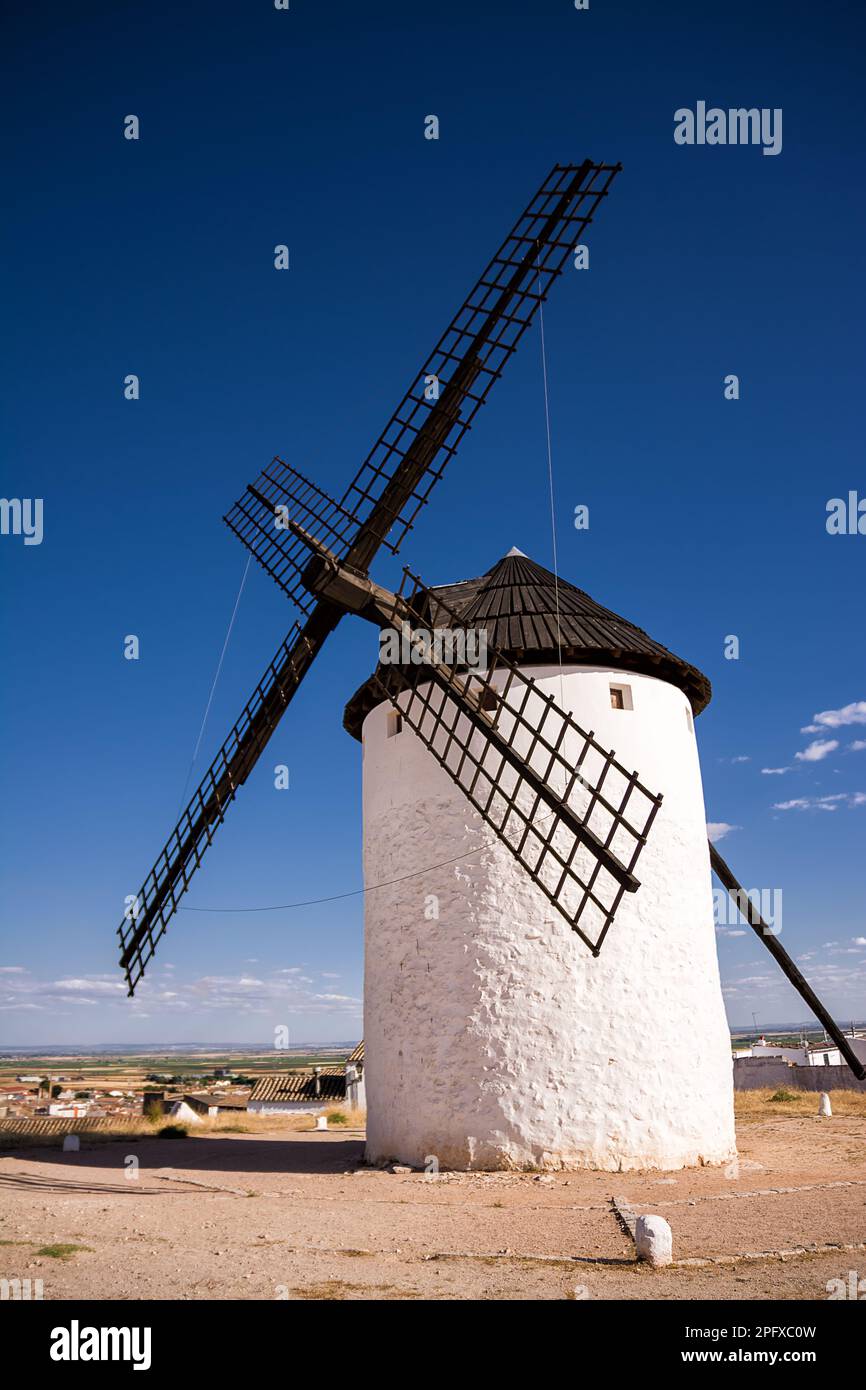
(573, 816)
(769, 938)
(259, 519)
(411, 453)
(148, 914)
(410, 456)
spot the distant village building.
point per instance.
(70, 1109)
(298, 1092)
(807, 1055)
(153, 1102)
(312, 1089)
(356, 1094)
(809, 1067)
(213, 1105)
(179, 1110)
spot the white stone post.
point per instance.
(654, 1240)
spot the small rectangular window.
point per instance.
(395, 723)
(620, 697)
(689, 719)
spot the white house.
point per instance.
(356, 1091)
(312, 1090)
(298, 1092)
(809, 1055)
(179, 1110)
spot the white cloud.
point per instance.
(821, 803)
(859, 940)
(775, 771)
(858, 746)
(242, 995)
(854, 713)
(93, 985)
(817, 750)
(718, 829)
(20, 990)
(809, 803)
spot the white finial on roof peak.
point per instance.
(515, 551)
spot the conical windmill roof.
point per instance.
(517, 602)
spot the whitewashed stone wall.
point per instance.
(288, 1107)
(493, 1038)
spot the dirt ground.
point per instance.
(297, 1216)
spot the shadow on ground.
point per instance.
(298, 1155)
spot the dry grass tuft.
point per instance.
(62, 1251)
(341, 1116)
(136, 1127)
(241, 1122)
(244, 1123)
(339, 1290)
(764, 1105)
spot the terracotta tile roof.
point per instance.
(516, 603)
(301, 1086)
(57, 1124)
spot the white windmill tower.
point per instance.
(493, 1037)
(499, 1031)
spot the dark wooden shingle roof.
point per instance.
(517, 601)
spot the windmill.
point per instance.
(571, 819)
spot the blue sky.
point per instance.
(707, 516)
